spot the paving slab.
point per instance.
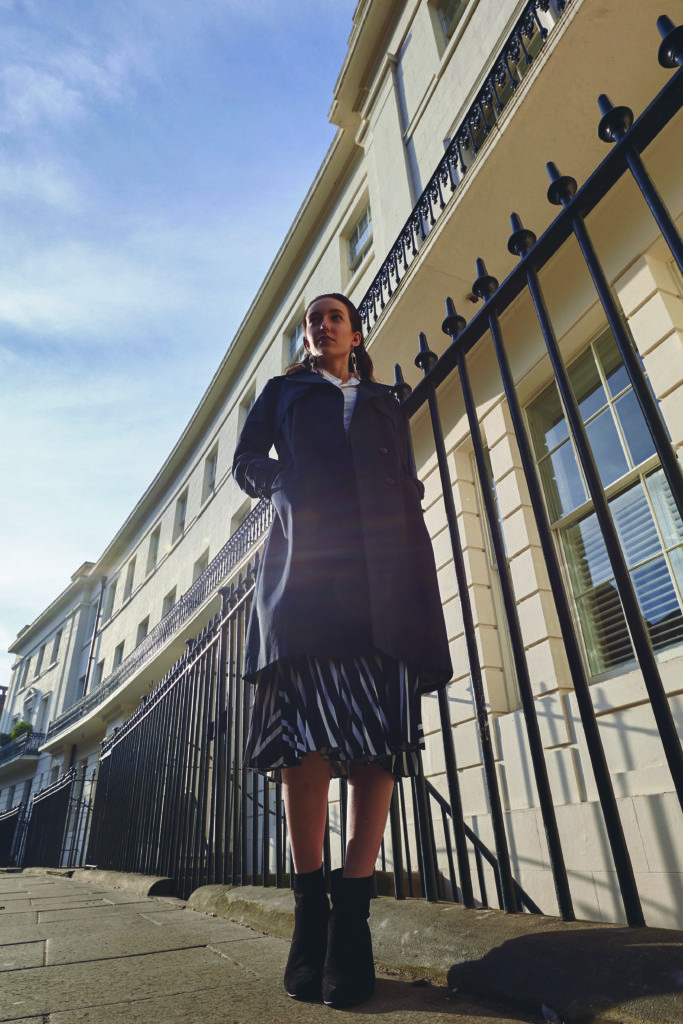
(21, 918)
(64, 987)
(17, 955)
(135, 939)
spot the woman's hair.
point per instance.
(366, 370)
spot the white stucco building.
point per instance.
(412, 82)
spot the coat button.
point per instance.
(384, 451)
(391, 480)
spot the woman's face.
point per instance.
(328, 333)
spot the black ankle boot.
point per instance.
(304, 970)
(349, 973)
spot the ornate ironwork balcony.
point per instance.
(510, 67)
(205, 586)
(23, 746)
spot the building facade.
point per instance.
(447, 112)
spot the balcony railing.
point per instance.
(205, 586)
(23, 746)
(511, 65)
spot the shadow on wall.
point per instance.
(582, 972)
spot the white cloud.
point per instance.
(32, 95)
(40, 180)
(85, 288)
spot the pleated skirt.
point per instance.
(351, 711)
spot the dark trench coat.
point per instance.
(348, 567)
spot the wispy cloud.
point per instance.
(39, 181)
(146, 184)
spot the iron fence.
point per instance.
(204, 587)
(173, 798)
(11, 828)
(58, 820)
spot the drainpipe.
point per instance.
(91, 655)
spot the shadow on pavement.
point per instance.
(582, 973)
(400, 998)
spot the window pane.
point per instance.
(562, 481)
(665, 508)
(658, 603)
(676, 557)
(548, 425)
(612, 365)
(604, 628)
(633, 424)
(607, 450)
(587, 554)
(588, 389)
(635, 525)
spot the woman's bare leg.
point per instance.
(305, 790)
(370, 789)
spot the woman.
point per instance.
(345, 632)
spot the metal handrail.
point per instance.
(509, 68)
(247, 535)
(23, 746)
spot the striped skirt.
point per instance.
(351, 711)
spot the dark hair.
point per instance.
(366, 370)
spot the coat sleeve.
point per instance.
(253, 470)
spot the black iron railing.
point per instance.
(509, 68)
(27, 745)
(10, 829)
(57, 822)
(248, 534)
(173, 796)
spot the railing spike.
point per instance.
(401, 388)
(425, 358)
(671, 47)
(485, 284)
(453, 324)
(521, 239)
(615, 121)
(562, 187)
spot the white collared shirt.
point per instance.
(348, 389)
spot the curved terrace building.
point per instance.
(447, 112)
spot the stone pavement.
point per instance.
(74, 951)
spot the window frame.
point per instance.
(143, 623)
(180, 517)
(295, 353)
(118, 656)
(450, 23)
(356, 256)
(153, 549)
(128, 586)
(560, 524)
(201, 565)
(210, 474)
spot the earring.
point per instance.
(312, 361)
(353, 363)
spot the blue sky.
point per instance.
(153, 155)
